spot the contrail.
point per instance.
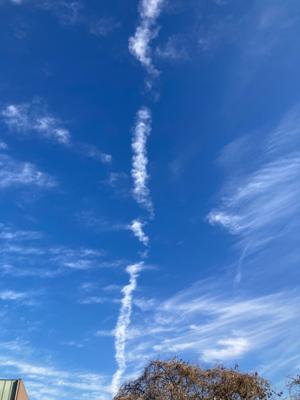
(123, 322)
(139, 172)
(136, 227)
(139, 47)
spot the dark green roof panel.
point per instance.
(8, 389)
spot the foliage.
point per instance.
(294, 388)
(179, 380)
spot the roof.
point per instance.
(8, 389)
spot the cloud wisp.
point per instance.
(205, 322)
(146, 31)
(139, 172)
(8, 232)
(174, 50)
(74, 12)
(48, 381)
(15, 174)
(25, 253)
(11, 295)
(121, 330)
(260, 202)
(32, 117)
(93, 152)
(3, 145)
(103, 27)
(67, 12)
(18, 2)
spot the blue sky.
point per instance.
(149, 177)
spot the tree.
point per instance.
(179, 380)
(294, 388)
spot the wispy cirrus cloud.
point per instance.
(89, 294)
(67, 12)
(227, 349)
(257, 22)
(105, 333)
(49, 381)
(121, 330)
(3, 145)
(207, 322)
(15, 173)
(89, 219)
(26, 253)
(146, 31)
(76, 259)
(266, 196)
(92, 151)
(97, 300)
(8, 232)
(34, 118)
(11, 295)
(20, 298)
(259, 203)
(174, 49)
(100, 224)
(139, 172)
(118, 183)
(74, 13)
(103, 27)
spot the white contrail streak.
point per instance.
(123, 322)
(139, 172)
(139, 44)
(136, 227)
(139, 47)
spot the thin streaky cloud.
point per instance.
(121, 330)
(16, 116)
(97, 300)
(239, 270)
(51, 382)
(11, 295)
(15, 173)
(33, 118)
(67, 12)
(20, 298)
(9, 233)
(173, 50)
(25, 253)
(21, 272)
(93, 152)
(105, 333)
(210, 324)
(73, 12)
(260, 201)
(3, 145)
(103, 27)
(89, 219)
(228, 348)
(139, 172)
